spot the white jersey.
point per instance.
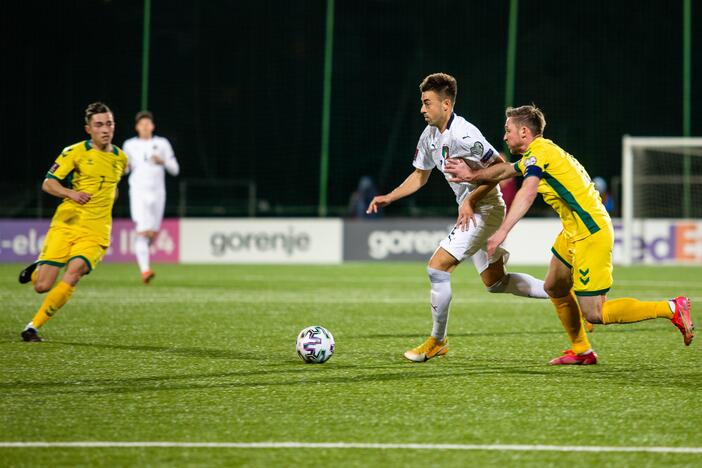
(144, 173)
(460, 139)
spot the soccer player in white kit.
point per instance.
(150, 156)
(481, 210)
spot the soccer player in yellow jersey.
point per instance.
(580, 272)
(85, 175)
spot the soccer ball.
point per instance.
(315, 344)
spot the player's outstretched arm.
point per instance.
(54, 187)
(520, 205)
(412, 183)
(485, 188)
(466, 212)
(490, 175)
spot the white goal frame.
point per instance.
(629, 143)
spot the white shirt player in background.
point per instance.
(481, 209)
(150, 157)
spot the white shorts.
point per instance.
(473, 241)
(147, 209)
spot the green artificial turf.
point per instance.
(207, 354)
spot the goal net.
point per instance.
(661, 179)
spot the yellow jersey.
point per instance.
(566, 186)
(84, 168)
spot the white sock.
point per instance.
(440, 301)
(520, 284)
(141, 249)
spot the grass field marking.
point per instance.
(355, 445)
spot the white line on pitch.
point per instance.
(352, 445)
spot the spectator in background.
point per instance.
(607, 200)
(361, 198)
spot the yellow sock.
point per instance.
(568, 311)
(34, 277)
(56, 298)
(627, 310)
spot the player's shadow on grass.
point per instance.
(175, 350)
(176, 382)
(303, 375)
(498, 333)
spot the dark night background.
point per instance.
(237, 87)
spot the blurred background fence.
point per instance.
(239, 89)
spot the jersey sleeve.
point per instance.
(126, 148)
(125, 163)
(530, 165)
(422, 156)
(64, 165)
(473, 146)
(171, 163)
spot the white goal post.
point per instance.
(661, 178)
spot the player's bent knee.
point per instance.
(77, 272)
(71, 278)
(42, 286)
(556, 289)
(77, 268)
(498, 286)
(147, 234)
(438, 276)
(551, 290)
(592, 316)
(443, 260)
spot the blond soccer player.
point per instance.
(580, 272)
(85, 176)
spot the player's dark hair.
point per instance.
(96, 108)
(442, 84)
(144, 115)
(529, 116)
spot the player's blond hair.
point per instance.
(442, 84)
(529, 116)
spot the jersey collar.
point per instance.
(89, 146)
(448, 125)
(528, 149)
(453, 116)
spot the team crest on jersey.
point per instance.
(530, 162)
(477, 149)
(445, 151)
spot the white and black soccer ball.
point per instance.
(315, 344)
